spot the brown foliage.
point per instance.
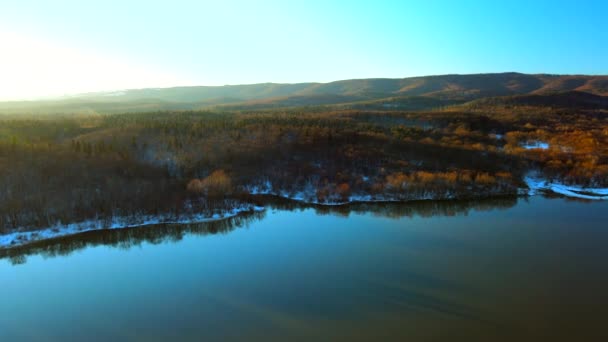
(218, 183)
(195, 186)
(343, 191)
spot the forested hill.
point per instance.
(449, 86)
(410, 93)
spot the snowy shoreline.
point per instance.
(308, 196)
(536, 185)
(21, 238)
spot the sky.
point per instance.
(51, 48)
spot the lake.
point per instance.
(502, 269)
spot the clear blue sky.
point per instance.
(119, 44)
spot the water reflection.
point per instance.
(418, 208)
(127, 238)
(535, 272)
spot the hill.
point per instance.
(423, 92)
(566, 100)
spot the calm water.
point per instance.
(491, 270)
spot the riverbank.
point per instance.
(20, 238)
(536, 186)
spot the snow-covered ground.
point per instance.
(536, 184)
(530, 145)
(61, 230)
(300, 197)
(309, 196)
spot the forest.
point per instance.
(73, 167)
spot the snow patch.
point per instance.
(309, 196)
(536, 184)
(541, 145)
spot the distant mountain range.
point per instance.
(414, 93)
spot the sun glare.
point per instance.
(32, 68)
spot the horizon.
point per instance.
(68, 48)
(62, 97)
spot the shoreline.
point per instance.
(21, 238)
(536, 186)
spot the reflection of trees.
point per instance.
(127, 238)
(445, 208)
(407, 209)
